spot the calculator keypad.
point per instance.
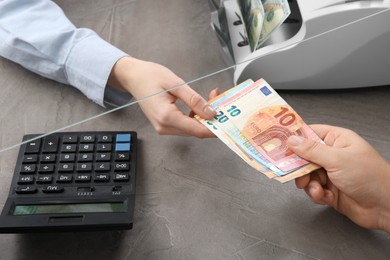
(63, 161)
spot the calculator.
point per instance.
(72, 181)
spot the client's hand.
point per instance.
(355, 179)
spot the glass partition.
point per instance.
(329, 60)
(182, 39)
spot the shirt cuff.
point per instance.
(89, 65)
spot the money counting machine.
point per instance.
(323, 44)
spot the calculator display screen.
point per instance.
(69, 208)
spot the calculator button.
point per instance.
(26, 180)
(33, 146)
(27, 168)
(122, 147)
(102, 157)
(46, 168)
(121, 177)
(64, 178)
(53, 189)
(85, 157)
(86, 148)
(84, 167)
(102, 178)
(48, 158)
(76, 160)
(83, 178)
(65, 167)
(87, 138)
(44, 179)
(102, 167)
(68, 148)
(68, 157)
(123, 156)
(25, 189)
(123, 166)
(104, 138)
(69, 139)
(31, 158)
(50, 144)
(104, 148)
(123, 138)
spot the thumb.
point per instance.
(313, 151)
(194, 101)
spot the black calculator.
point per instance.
(71, 181)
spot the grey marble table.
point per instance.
(195, 199)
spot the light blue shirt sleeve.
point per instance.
(37, 35)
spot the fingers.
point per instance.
(194, 101)
(302, 182)
(320, 195)
(187, 126)
(213, 93)
(319, 175)
(323, 130)
(329, 198)
(313, 151)
(335, 136)
(177, 123)
(317, 188)
(315, 191)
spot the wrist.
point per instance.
(121, 74)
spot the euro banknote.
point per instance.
(225, 134)
(222, 122)
(255, 123)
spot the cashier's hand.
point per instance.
(146, 79)
(355, 179)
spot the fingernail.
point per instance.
(209, 111)
(295, 140)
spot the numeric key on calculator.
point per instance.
(59, 162)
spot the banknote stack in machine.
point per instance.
(255, 122)
(261, 18)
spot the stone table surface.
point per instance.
(195, 199)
